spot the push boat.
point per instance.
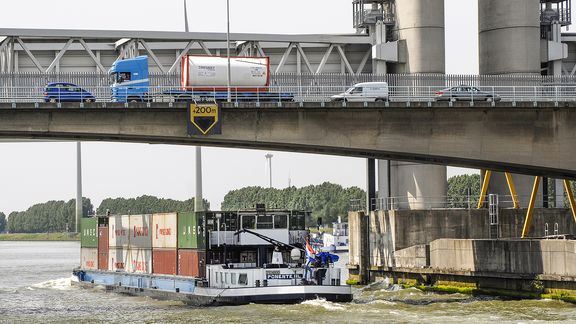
(243, 260)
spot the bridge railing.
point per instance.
(318, 93)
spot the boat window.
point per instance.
(264, 222)
(243, 279)
(248, 222)
(233, 279)
(297, 222)
(227, 278)
(217, 281)
(280, 221)
(230, 221)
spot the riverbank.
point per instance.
(40, 237)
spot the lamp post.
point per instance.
(228, 47)
(269, 158)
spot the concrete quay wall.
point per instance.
(523, 257)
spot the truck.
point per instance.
(203, 78)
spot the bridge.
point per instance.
(521, 138)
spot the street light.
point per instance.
(228, 47)
(269, 158)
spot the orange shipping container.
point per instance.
(192, 263)
(164, 261)
(103, 241)
(103, 261)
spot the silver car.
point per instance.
(465, 93)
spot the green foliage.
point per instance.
(52, 216)
(327, 200)
(2, 222)
(146, 205)
(458, 187)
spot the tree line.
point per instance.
(60, 216)
(326, 201)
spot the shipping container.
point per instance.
(164, 261)
(140, 260)
(192, 263)
(140, 234)
(118, 259)
(118, 229)
(103, 260)
(89, 232)
(103, 242)
(165, 231)
(89, 258)
(191, 231)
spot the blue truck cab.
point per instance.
(130, 80)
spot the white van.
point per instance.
(367, 91)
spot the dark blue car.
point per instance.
(66, 92)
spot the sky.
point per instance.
(33, 173)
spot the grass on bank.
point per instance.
(40, 237)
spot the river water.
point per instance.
(35, 288)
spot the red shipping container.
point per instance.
(164, 261)
(103, 261)
(103, 241)
(192, 263)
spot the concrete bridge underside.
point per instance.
(526, 140)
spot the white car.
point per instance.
(361, 92)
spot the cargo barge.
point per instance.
(208, 258)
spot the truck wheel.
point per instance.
(380, 99)
(53, 100)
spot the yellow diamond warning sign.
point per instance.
(204, 119)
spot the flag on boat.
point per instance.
(310, 254)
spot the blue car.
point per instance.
(66, 92)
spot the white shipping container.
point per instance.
(140, 261)
(118, 230)
(140, 233)
(211, 71)
(118, 259)
(89, 258)
(165, 231)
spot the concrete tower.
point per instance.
(420, 23)
(420, 29)
(519, 37)
(509, 40)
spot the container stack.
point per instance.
(118, 236)
(191, 245)
(89, 242)
(103, 246)
(140, 244)
(164, 243)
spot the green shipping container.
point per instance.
(191, 231)
(89, 232)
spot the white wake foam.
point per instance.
(56, 284)
(323, 303)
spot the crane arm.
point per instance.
(267, 239)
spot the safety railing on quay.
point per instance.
(492, 202)
(286, 93)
